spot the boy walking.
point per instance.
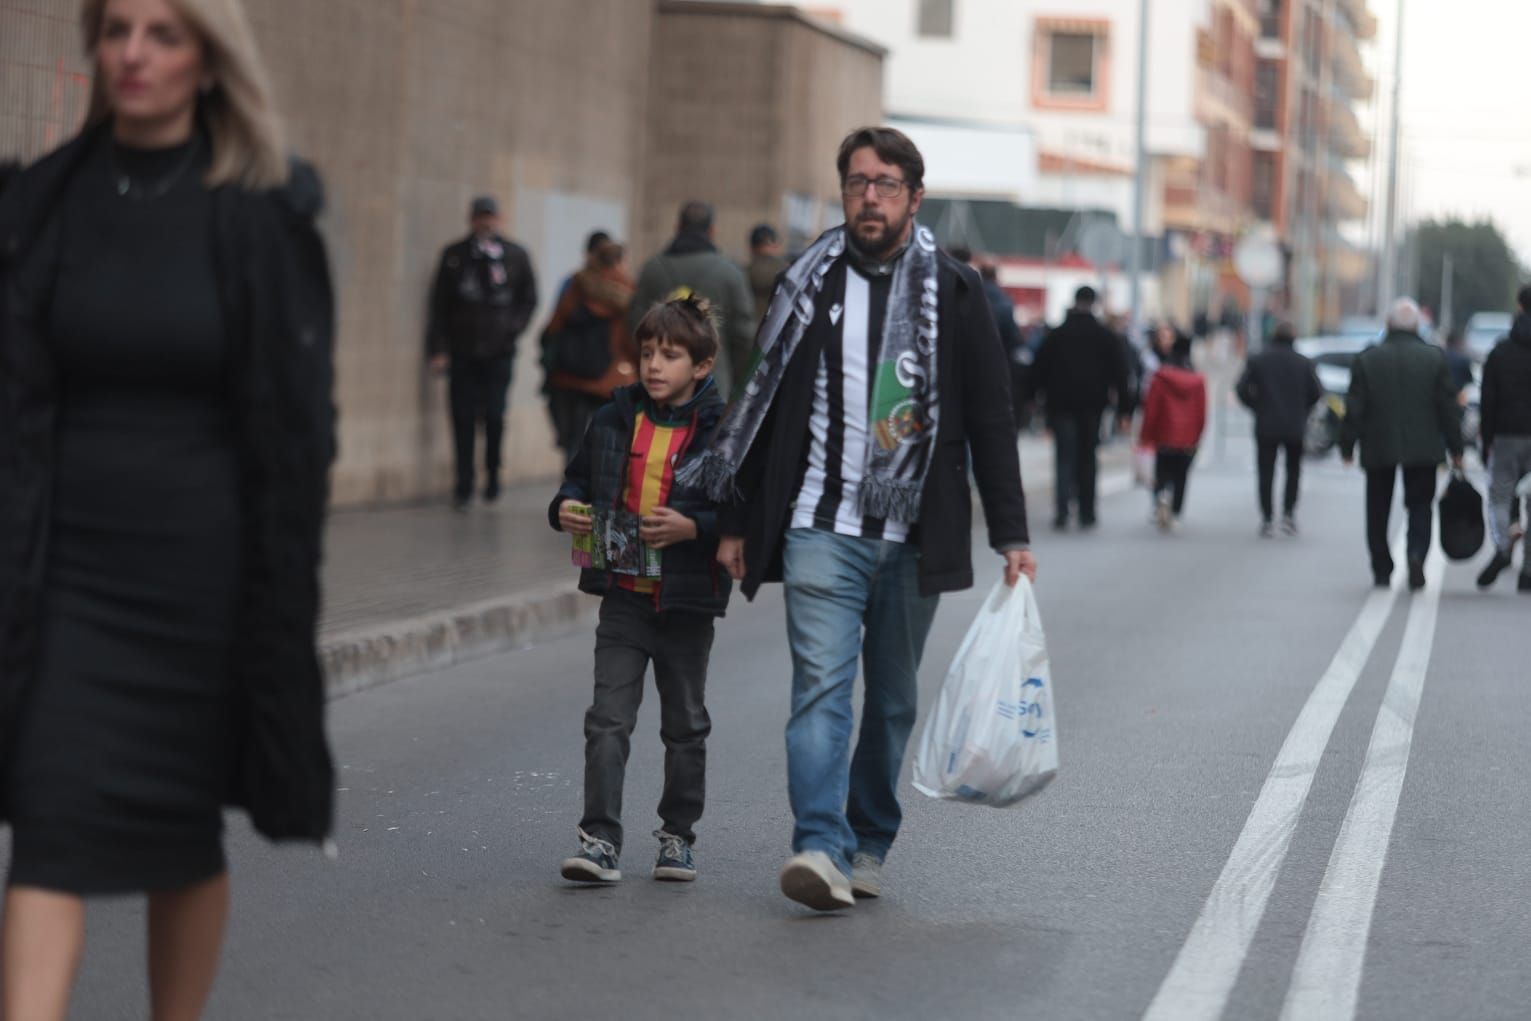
(627, 463)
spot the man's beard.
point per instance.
(885, 243)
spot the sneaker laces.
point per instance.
(592, 845)
(670, 844)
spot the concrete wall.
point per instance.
(750, 104)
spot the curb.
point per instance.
(368, 657)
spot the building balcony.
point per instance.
(1346, 137)
(1343, 200)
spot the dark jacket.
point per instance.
(275, 285)
(480, 309)
(1280, 386)
(1004, 318)
(1402, 406)
(1505, 400)
(975, 419)
(1080, 369)
(693, 263)
(690, 576)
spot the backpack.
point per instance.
(1461, 510)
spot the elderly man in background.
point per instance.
(1402, 409)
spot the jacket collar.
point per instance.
(689, 243)
(706, 405)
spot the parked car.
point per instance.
(1483, 331)
(1331, 355)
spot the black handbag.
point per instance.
(1461, 511)
(583, 347)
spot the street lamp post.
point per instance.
(1135, 256)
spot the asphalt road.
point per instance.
(1182, 665)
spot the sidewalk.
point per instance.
(413, 589)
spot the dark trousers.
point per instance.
(571, 412)
(1075, 439)
(1172, 469)
(1418, 498)
(1267, 449)
(630, 635)
(478, 388)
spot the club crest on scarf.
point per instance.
(904, 408)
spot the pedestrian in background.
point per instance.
(1281, 387)
(1506, 434)
(845, 473)
(767, 262)
(1174, 416)
(586, 350)
(1079, 372)
(165, 361)
(627, 462)
(1459, 363)
(692, 265)
(1402, 409)
(482, 300)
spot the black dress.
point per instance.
(123, 752)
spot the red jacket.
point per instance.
(1175, 411)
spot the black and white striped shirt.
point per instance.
(839, 430)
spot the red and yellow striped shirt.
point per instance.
(650, 474)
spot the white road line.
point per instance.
(1207, 966)
(1327, 979)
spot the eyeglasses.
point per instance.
(887, 187)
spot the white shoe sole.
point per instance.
(674, 875)
(581, 870)
(868, 888)
(801, 882)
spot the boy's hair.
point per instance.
(687, 322)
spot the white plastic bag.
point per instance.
(991, 738)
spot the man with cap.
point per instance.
(483, 298)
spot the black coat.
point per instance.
(1506, 396)
(690, 577)
(474, 314)
(275, 289)
(976, 416)
(1280, 386)
(1081, 368)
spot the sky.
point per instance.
(1466, 123)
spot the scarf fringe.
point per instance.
(890, 499)
(712, 475)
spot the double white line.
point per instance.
(1327, 978)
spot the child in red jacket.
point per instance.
(1174, 415)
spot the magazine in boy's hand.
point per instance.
(613, 544)
(583, 554)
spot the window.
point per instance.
(1071, 64)
(936, 19)
(1264, 186)
(1267, 93)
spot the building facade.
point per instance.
(1310, 81)
(573, 114)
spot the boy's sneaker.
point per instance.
(1288, 525)
(811, 878)
(675, 862)
(595, 863)
(866, 875)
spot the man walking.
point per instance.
(484, 295)
(1402, 408)
(1280, 386)
(1079, 371)
(1506, 433)
(690, 265)
(845, 466)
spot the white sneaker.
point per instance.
(811, 879)
(1163, 516)
(866, 875)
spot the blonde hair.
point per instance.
(237, 113)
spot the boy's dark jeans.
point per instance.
(631, 633)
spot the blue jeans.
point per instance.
(836, 587)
